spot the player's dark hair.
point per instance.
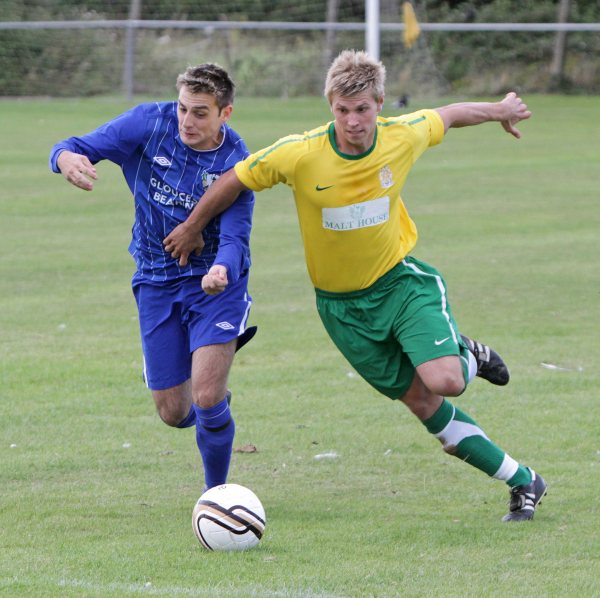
(208, 78)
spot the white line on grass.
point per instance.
(148, 589)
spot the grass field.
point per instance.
(96, 493)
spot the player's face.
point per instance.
(200, 119)
(355, 121)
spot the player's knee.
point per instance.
(446, 382)
(171, 417)
(171, 408)
(206, 397)
(450, 385)
(443, 376)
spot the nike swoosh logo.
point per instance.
(319, 188)
(437, 343)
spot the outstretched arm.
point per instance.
(186, 238)
(508, 112)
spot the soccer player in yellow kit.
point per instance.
(386, 311)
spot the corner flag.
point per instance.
(411, 25)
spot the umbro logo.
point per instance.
(162, 160)
(319, 188)
(225, 325)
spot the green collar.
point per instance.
(349, 156)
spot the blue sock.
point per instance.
(215, 429)
(189, 420)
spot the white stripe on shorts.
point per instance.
(443, 299)
(245, 318)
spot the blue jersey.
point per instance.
(167, 179)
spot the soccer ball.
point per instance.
(229, 517)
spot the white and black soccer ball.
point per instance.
(229, 517)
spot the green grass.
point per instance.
(96, 493)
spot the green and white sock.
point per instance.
(462, 437)
(471, 366)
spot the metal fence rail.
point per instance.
(291, 26)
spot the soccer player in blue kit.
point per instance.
(170, 153)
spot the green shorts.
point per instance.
(398, 323)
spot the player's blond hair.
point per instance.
(354, 72)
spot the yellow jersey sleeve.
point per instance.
(272, 165)
(268, 174)
(424, 129)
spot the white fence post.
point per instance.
(372, 28)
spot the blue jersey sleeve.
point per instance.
(234, 237)
(115, 141)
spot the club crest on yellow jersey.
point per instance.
(386, 177)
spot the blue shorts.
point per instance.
(178, 317)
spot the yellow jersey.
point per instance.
(353, 222)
